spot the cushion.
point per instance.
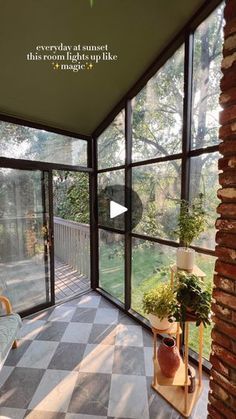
(9, 326)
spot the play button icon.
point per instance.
(116, 209)
(112, 211)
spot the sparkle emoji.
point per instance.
(89, 66)
(55, 66)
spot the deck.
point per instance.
(68, 281)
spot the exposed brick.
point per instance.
(217, 364)
(226, 225)
(228, 114)
(226, 269)
(224, 382)
(225, 298)
(230, 10)
(220, 392)
(221, 407)
(228, 131)
(229, 59)
(226, 239)
(227, 210)
(221, 311)
(227, 163)
(214, 414)
(229, 79)
(226, 254)
(225, 327)
(228, 148)
(228, 178)
(224, 283)
(227, 194)
(230, 28)
(223, 353)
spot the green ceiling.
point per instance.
(135, 30)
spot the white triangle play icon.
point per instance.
(116, 209)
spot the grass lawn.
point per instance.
(150, 266)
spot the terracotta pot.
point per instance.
(185, 258)
(168, 357)
(157, 323)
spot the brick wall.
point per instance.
(222, 396)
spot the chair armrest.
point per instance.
(6, 303)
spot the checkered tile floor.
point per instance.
(83, 359)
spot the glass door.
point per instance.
(26, 240)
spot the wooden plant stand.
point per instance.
(175, 390)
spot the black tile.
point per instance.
(67, 356)
(128, 360)
(84, 315)
(105, 304)
(91, 394)
(16, 354)
(124, 319)
(101, 333)
(19, 388)
(52, 331)
(159, 408)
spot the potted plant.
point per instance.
(158, 304)
(191, 223)
(192, 301)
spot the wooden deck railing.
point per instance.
(72, 244)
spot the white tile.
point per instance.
(77, 333)
(128, 397)
(97, 358)
(89, 300)
(62, 314)
(82, 416)
(106, 316)
(4, 374)
(128, 335)
(30, 329)
(148, 359)
(11, 413)
(38, 354)
(54, 391)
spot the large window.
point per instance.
(172, 157)
(22, 142)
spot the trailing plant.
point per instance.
(191, 299)
(191, 220)
(159, 301)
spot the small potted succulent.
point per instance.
(192, 300)
(158, 304)
(191, 223)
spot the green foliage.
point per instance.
(159, 301)
(191, 298)
(191, 220)
(71, 196)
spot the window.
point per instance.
(162, 171)
(21, 142)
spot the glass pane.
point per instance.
(158, 186)
(207, 264)
(111, 263)
(158, 112)
(24, 265)
(105, 180)
(204, 179)
(150, 266)
(208, 41)
(111, 144)
(20, 142)
(71, 233)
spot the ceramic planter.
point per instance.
(168, 357)
(158, 323)
(185, 258)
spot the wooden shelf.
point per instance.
(175, 396)
(177, 380)
(196, 271)
(172, 330)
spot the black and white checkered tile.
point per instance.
(83, 359)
